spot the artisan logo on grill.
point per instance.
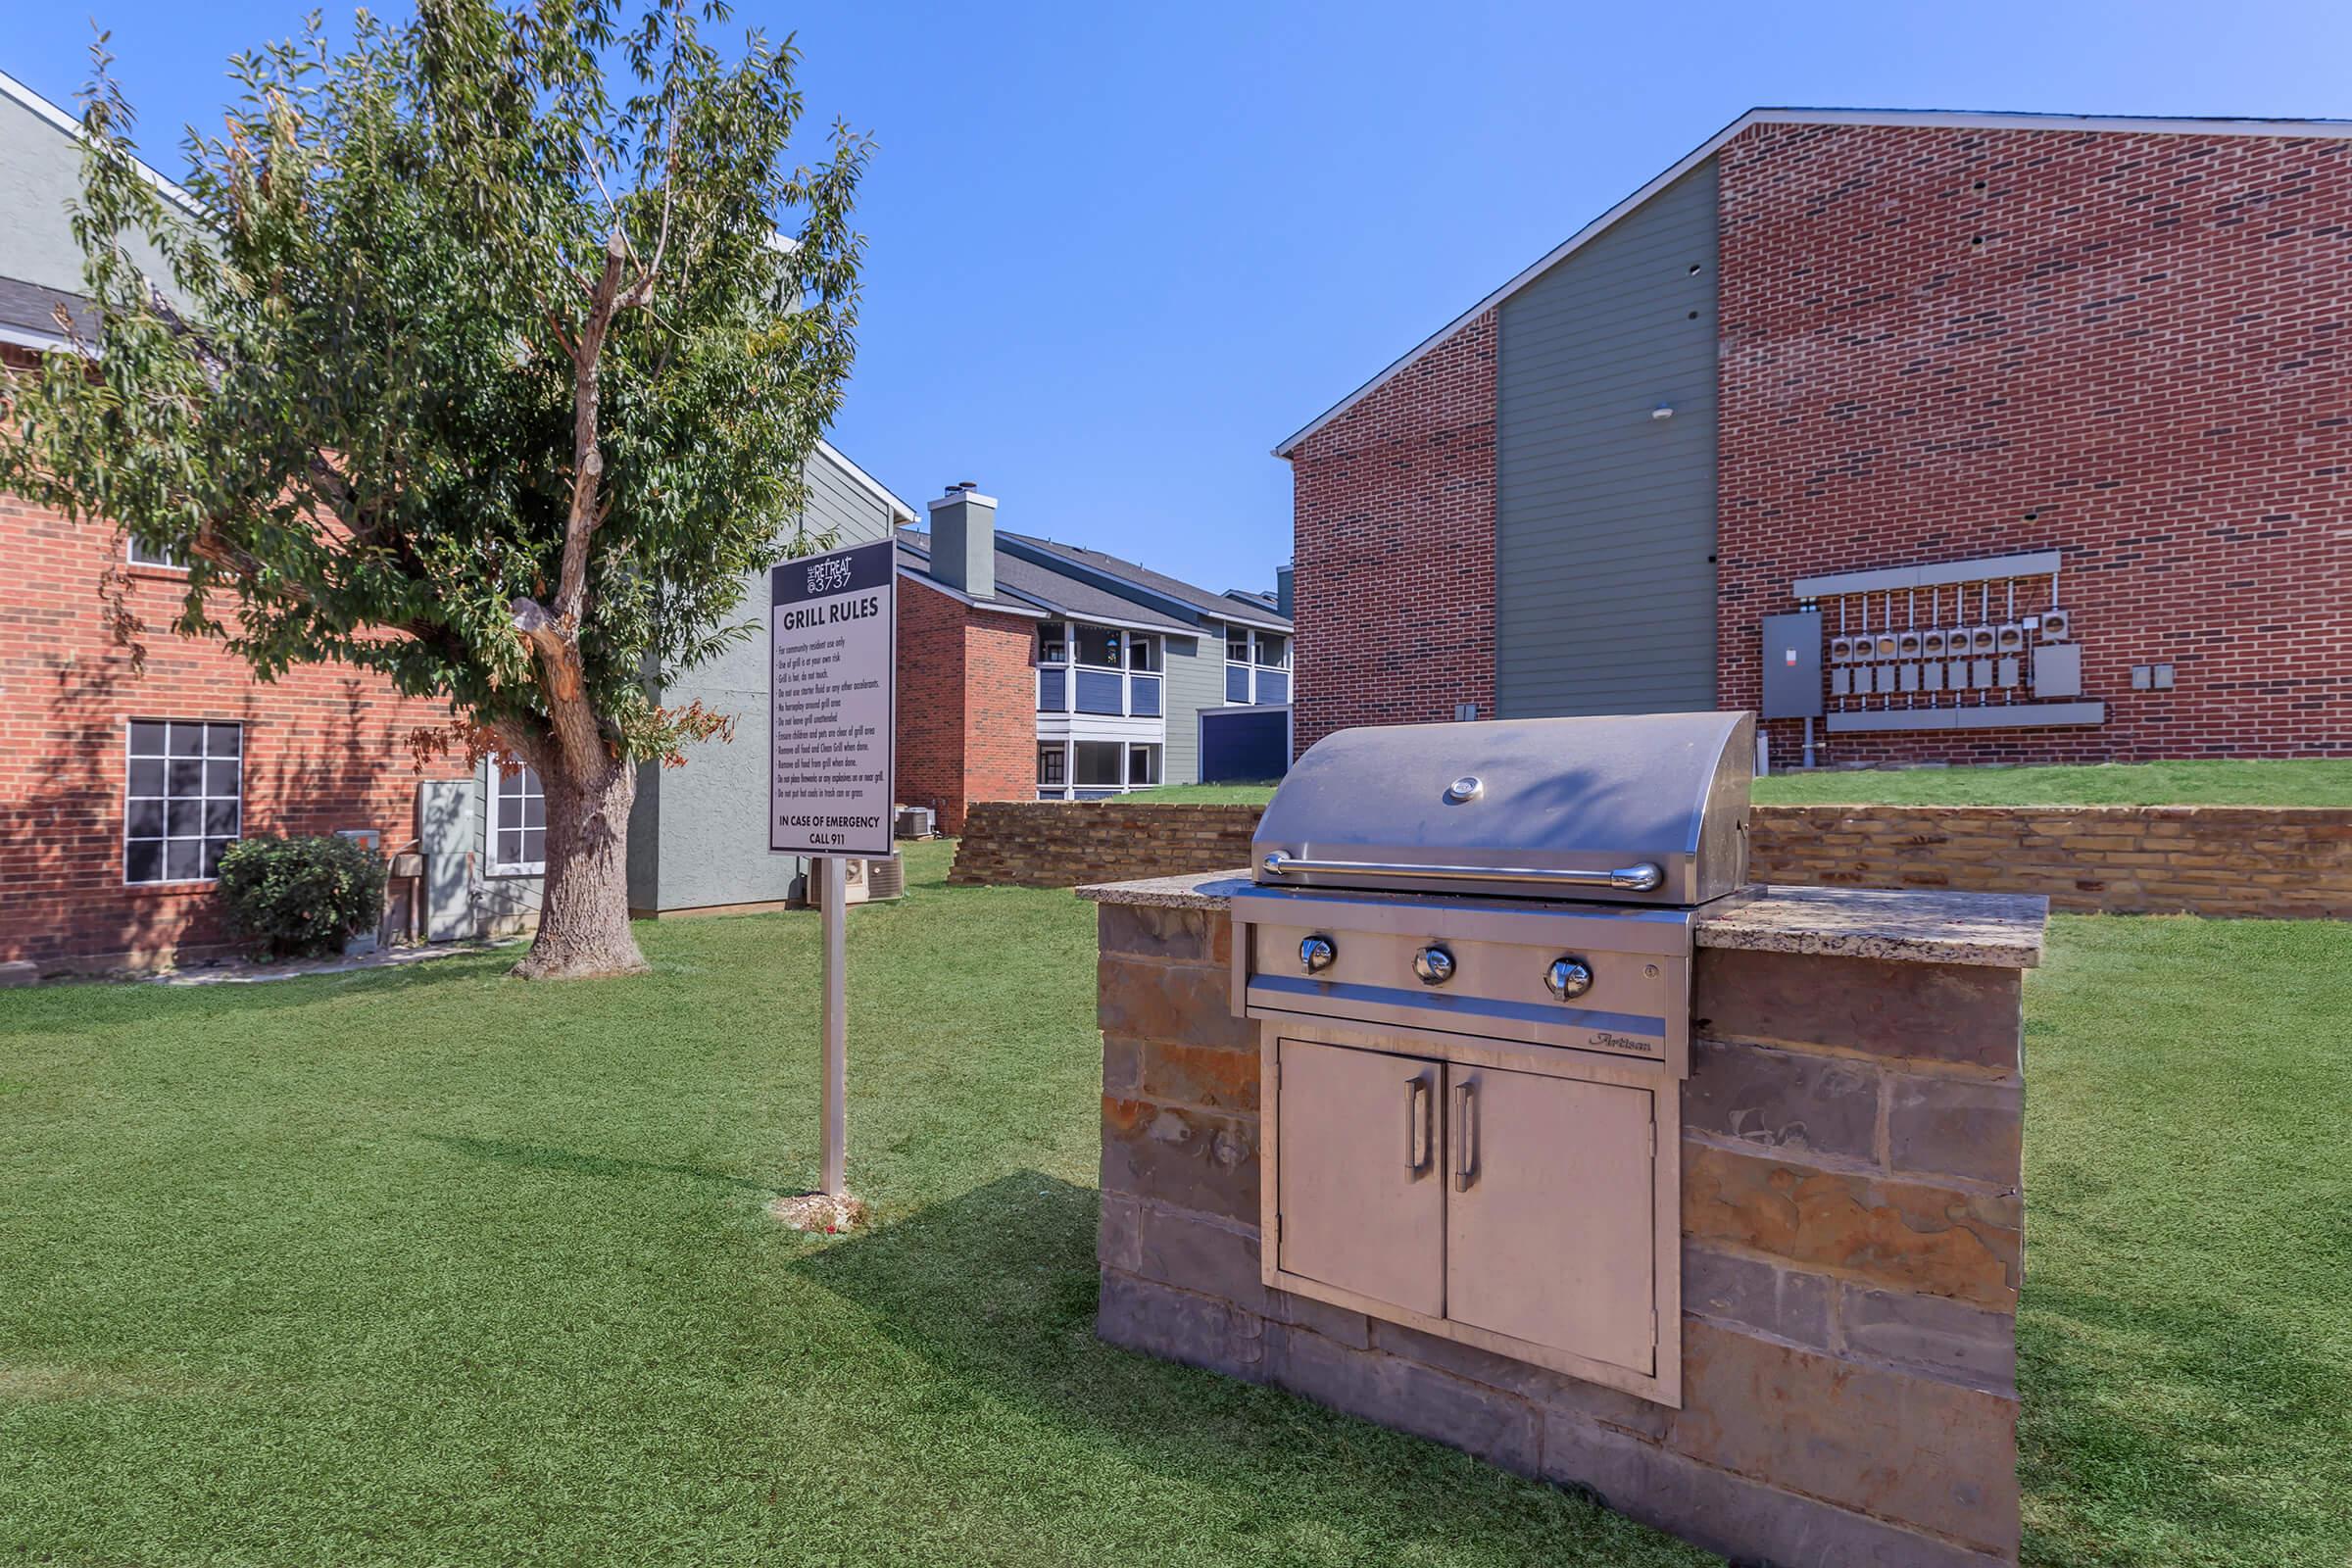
(1617, 1042)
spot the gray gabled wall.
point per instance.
(1605, 516)
(40, 174)
(699, 833)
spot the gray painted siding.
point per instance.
(840, 504)
(1605, 516)
(708, 839)
(40, 171)
(509, 903)
(1196, 680)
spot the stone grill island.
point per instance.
(1838, 1383)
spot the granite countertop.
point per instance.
(1999, 930)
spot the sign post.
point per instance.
(832, 745)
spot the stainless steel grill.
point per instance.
(1470, 948)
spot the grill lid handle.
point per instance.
(1641, 878)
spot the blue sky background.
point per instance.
(1119, 251)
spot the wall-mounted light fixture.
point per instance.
(1664, 411)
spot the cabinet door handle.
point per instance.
(1465, 1138)
(1416, 1125)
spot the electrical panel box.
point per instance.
(2058, 669)
(1793, 665)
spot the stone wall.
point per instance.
(1852, 1249)
(1057, 844)
(2274, 861)
(2223, 860)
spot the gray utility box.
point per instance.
(1793, 665)
(445, 836)
(2058, 669)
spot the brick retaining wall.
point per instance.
(1053, 844)
(2250, 860)
(2274, 861)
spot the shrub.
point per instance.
(300, 898)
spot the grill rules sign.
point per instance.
(832, 685)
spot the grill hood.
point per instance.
(1546, 807)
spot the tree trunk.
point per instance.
(584, 900)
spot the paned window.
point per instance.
(183, 799)
(518, 821)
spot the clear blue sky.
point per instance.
(1119, 251)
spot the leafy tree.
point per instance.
(483, 363)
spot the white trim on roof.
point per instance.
(43, 342)
(1963, 119)
(899, 510)
(11, 87)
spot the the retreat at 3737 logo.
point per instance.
(828, 576)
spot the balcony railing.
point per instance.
(1101, 691)
(1111, 693)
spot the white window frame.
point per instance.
(162, 559)
(498, 799)
(203, 797)
(1251, 639)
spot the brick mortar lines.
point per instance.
(1919, 1066)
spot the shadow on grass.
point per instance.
(536, 1156)
(997, 1288)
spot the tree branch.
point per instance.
(587, 454)
(555, 642)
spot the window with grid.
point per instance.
(518, 821)
(183, 793)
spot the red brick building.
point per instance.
(1031, 670)
(120, 784)
(967, 700)
(1949, 371)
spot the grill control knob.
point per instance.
(1315, 955)
(1434, 964)
(1568, 978)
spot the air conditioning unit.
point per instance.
(854, 884)
(918, 822)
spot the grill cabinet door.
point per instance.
(1355, 1210)
(1549, 1234)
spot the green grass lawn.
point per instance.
(1207, 794)
(2203, 783)
(429, 1266)
(2218, 783)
